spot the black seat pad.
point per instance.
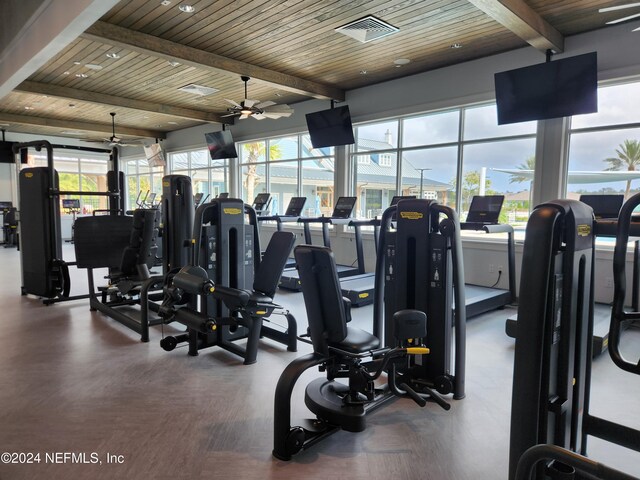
(357, 341)
(257, 297)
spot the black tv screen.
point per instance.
(6, 154)
(548, 90)
(220, 145)
(328, 128)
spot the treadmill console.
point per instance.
(344, 207)
(296, 204)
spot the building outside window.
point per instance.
(288, 167)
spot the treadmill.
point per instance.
(484, 213)
(261, 203)
(341, 216)
(606, 209)
(359, 288)
(292, 214)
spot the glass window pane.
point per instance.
(439, 127)
(592, 154)
(285, 148)
(200, 181)
(253, 181)
(375, 183)
(482, 122)
(508, 170)
(616, 105)
(132, 192)
(377, 136)
(179, 161)
(253, 152)
(284, 185)
(199, 159)
(218, 181)
(431, 174)
(131, 167)
(317, 186)
(309, 152)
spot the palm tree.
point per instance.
(528, 164)
(254, 151)
(629, 156)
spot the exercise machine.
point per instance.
(71, 207)
(341, 215)
(418, 273)
(483, 216)
(126, 245)
(553, 352)
(291, 215)
(234, 285)
(606, 209)
(359, 288)
(9, 224)
(261, 204)
(44, 271)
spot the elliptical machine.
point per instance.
(418, 270)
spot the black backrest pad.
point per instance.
(142, 242)
(273, 262)
(99, 241)
(322, 295)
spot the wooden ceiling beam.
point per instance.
(104, 128)
(524, 22)
(114, 101)
(132, 40)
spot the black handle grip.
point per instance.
(413, 395)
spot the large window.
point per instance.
(209, 177)
(287, 167)
(604, 147)
(142, 181)
(79, 173)
(447, 156)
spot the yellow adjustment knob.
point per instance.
(417, 350)
(214, 327)
(212, 289)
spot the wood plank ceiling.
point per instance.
(289, 48)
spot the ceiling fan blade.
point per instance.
(250, 103)
(619, 7)
(244, 115)
(268, 103)
(636, 29)
(230, 114)
(259, 116)
(271, 115)
(623, 19)
(234, 103)
(279, 109)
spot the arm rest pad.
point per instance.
(233, 298)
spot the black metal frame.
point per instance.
(552, 367)
(116, 202)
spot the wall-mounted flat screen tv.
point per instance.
(220, 145)
(6, 154)
(329, 128)
(155, 157)
(559, 88)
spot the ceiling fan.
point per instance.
(113, 140)
(622, 19)
(256, 109)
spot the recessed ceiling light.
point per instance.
(77, 63)
(173, 63)
(186, 8)
(363, 72)
(29, 108)
(93, 66)
(456, 45)
(401, 61)
(165, 2)
(146, 116)
(81, 75)
(172, 123)
(66, 73)
(157, 126)
(113, 55)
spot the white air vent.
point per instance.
(367, 29)
(198, 89)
